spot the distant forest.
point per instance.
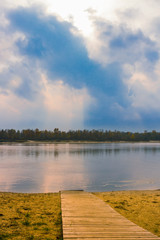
(11, 135)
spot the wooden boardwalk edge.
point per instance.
(85, 216)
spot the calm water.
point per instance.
(91, 167)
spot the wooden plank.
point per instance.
(84, 216)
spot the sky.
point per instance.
(89, 64)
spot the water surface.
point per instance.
(49, 167)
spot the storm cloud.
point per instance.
(109, 84)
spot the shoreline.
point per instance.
(76, 141)
(93, 192)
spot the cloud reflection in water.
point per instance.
(92, 167)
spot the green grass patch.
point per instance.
(30, 216)
(141, 207)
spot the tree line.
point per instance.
(76, 135)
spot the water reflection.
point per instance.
(92, 167)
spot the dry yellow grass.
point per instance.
(141, 207)
(30, 216)
(38, 216)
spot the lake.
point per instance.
(51, 167)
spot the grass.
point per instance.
(141, 207)
(38, 216)
(30, 216)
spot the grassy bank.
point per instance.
(30, 216)
(141, 207)
(38, 216)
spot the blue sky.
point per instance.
(93, 64)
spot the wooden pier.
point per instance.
(86, 217)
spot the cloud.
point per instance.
(63, 55)
(118, 43)
(49, 73)
(137, 55)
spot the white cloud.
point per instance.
(55, 105)
(145, 89)
(8, 53)
(136, 14)
(64, 105)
